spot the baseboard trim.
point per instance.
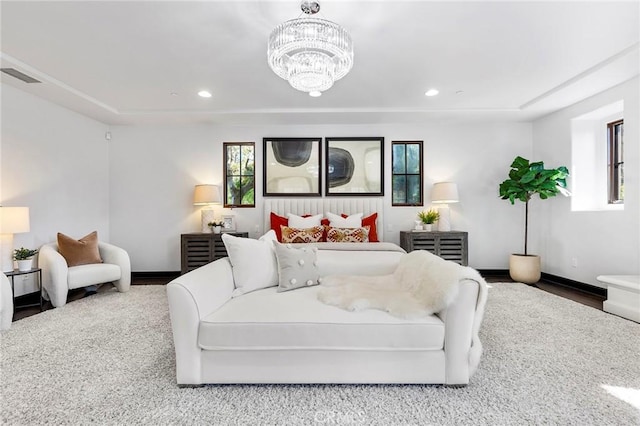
(156, 274)
(504, 272)
(577, 285)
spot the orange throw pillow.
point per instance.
(79, 252)
(307, 235)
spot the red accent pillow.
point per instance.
(369, 221)
(277, 221)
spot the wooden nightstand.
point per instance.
(198, 249)
(452, 245)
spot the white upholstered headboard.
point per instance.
(300, 206)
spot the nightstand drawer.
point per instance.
(451, 245)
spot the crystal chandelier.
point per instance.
(310, 53)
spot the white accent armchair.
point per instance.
(6, 302)
(58, 278)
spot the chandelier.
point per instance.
(310, 53)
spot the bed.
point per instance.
(377, 258)
(313, 206)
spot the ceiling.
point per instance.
(126, 62)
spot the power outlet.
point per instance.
(574, 262)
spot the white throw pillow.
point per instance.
(300, 222)
(337, 221)
(253, 262)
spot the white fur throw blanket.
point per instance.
(421, 285)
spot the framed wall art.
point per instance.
(292, 167)
(355, 166)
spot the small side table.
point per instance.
(11, 275)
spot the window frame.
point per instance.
(225, 147)
(615, 151)
(420, 174)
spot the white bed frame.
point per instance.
(313, 206)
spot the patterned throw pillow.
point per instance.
(348, 235)
(297, 235)
(371, 222)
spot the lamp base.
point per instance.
(207, 215)
(444, 222)
(6, 252)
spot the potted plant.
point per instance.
(24, 257)
(428, 218)
(525, 180)
(216, 226)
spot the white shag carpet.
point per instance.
(108, 359)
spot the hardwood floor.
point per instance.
(585, 298)
(136, 279)
(579, 296)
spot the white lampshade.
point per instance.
(14, 220)
(444, 192)
(206, 194)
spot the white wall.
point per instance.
(55, 162)
(153, 170)
(603, 242)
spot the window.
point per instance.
(596, 159)
(615, 161)
(406, 180)
(239, 179)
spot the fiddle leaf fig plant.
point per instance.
(527, 179)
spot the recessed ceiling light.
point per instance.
(315, 93)
(204, 94)
(431, 92)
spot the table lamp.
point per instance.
(444, 193)
(206, 195)
(13, 220)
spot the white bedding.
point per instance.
(381, 246)
(369, 262)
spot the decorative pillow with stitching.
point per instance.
(348, 235)
(297, 267)
(371, 222)
(79, 252)
(304, 235)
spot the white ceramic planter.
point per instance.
(25, 265)
(524, 269)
